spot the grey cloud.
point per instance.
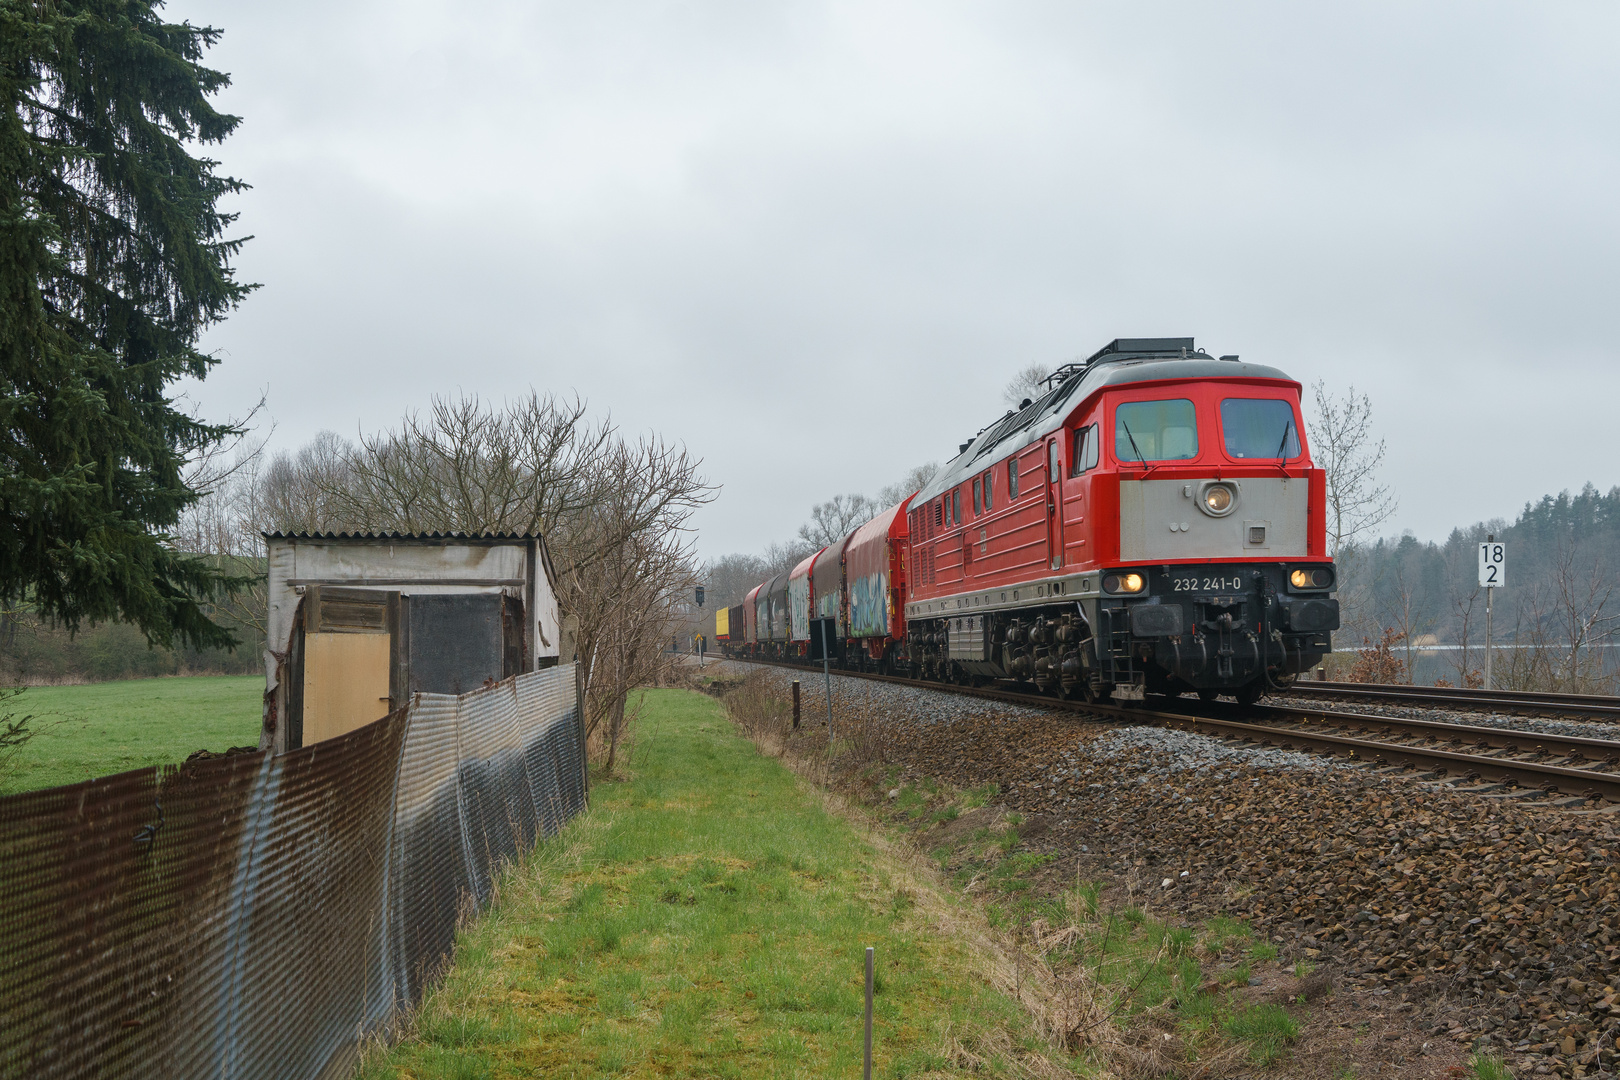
(814, 240)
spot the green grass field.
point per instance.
(86, 731)
(708, 917)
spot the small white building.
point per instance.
(357, 623)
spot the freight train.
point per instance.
(1150, 524)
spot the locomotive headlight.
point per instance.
(1320, 577)
(1123, 583)
(1218, 499)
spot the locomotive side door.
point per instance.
(1054, 503)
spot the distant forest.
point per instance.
(34, 652)
(1555, 619)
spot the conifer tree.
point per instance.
(113, 259)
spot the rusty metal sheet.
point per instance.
(257, 915)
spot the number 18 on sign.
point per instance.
(1492, 576)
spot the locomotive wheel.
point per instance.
(1249, 693)
(1208, 693)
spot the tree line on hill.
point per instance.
(1555, 620)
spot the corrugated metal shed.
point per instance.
(357, 622)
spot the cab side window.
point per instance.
(956, 505)
(1012, 477)
(978, 503)
(1085, 451)
(988, 488)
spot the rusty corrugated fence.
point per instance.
(257, 915)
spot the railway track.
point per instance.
(1570, 771)
(1587, 706)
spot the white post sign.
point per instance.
(1492, 576)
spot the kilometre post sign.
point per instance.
(1492, 565)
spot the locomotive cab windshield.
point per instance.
(1259, 428)
(1155, 431)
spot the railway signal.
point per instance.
(1492, 576)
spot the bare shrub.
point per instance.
(1376, 661)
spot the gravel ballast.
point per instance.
(1506, 910)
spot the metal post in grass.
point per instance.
(795, 704)
(867, 1073)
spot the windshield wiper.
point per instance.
(1282, 447)
(1140, 459)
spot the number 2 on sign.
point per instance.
(1492, 565)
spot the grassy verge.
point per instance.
(709, 918)
(1175, 994)
(102, 728)
(1143, 991)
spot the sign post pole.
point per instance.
(1492, 575)
(1488, 594)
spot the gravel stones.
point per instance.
(1160, 752)
(859, 699)
(1509, 913)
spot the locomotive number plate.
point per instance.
(1207, 584)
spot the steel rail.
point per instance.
(1528, 774)
(1496, 738)
(1517, 701)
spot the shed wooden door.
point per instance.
(345, 682)
(351, 657)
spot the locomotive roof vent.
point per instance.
(1230, 356)
(1120, 348)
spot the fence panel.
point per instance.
(255, 916)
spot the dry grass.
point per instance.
(1110, 985)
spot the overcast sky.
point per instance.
(814, 240)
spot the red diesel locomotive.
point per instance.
(1152, 523)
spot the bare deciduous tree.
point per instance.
(1580, 603)
(831, 521)
(628, 591)
(224, 522)
(614, 513)
(1343, 447)
(1026, 384)
(729, 578)
(1467, 674)
(912, 482)
(1405, 621)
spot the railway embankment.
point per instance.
(707, 917)
(1450, 918)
